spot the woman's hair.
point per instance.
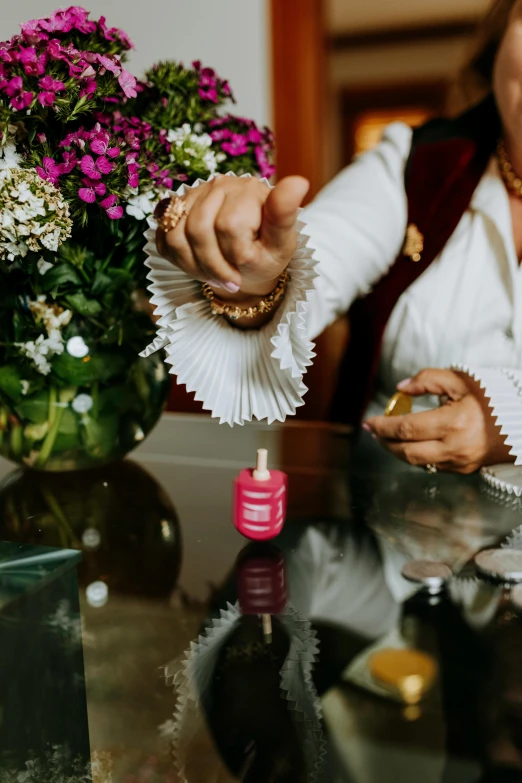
(476, 78)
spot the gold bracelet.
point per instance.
(234, 312)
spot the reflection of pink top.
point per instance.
(260, 506)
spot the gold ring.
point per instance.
(431, 468)
(176, 210)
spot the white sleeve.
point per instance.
(503, 389)
(348, 238)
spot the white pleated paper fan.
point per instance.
(237, 375)
(505, 478)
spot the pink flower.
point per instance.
(14, 89)
(236, 146)
(127, 83)
(54, 85)
(46, 98)
(266, 168)
(209, 95)
(41, 138)
(114, 34)
(133, 178)
(69, 162)
(49, 170)
(91, 190)
(113, 211)
(88, 89)
(220, 135)
(254, 136)
(109, 63)
(95, 169)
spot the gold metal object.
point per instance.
(511, 179)
(407, 673)
(176, 210)
(234, 312)
(399, 405)
(431, 468)
(414, 243)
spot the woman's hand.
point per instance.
(239, 235)
(460, 436)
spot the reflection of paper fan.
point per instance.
(192, 675)
(505, 477)
(514, 540)
(479, 600)
(260, 371)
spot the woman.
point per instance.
(421, 238)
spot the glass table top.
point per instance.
(143, 640)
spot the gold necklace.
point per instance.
(511, 179)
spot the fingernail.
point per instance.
(366, 427)
(214, 284)
(232, 287)
(404, 383)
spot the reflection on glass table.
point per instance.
(207, 659)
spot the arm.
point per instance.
(240, 234)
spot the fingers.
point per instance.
(280, 213)
(418, 453)
(439, 382)
(427, 425)
(238, 224)
(200, 233)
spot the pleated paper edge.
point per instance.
(282, 349)
(504, 394)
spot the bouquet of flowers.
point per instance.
(86, 151)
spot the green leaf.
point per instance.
(59, 276)
(101, 283)
(34, 408)
(10, 382)
(82, 305)
(78, 372)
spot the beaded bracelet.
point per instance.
(234, 312)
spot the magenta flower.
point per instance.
(210, 94)
(90, 190)
(109, 63)
(236, 146)
(266, 168)
(46, 98)
(49, 170)
(113, 34)
(254, 136)
(133, 178)
(14, 88)
(95, 169)
(34, 64)
(113, 211)
(88, 89)
(220, 135)
(54, 85)
(69, 162)
(41, 138)
(127, 83)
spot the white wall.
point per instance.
(228, 35)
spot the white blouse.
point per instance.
(464, 311)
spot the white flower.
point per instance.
(43, 265)
(192, 149)
(33, 214)
(25, 386)
(54, 318)
(9, 157)
(141, 206)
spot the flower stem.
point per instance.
(16, 440)
(55, 417)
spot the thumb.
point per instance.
(280, 213)
(439, 382)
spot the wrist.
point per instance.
(248, 295)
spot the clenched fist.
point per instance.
(239, 234)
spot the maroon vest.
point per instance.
(447, 160)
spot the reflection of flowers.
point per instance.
(55, 766)
(66, 623)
